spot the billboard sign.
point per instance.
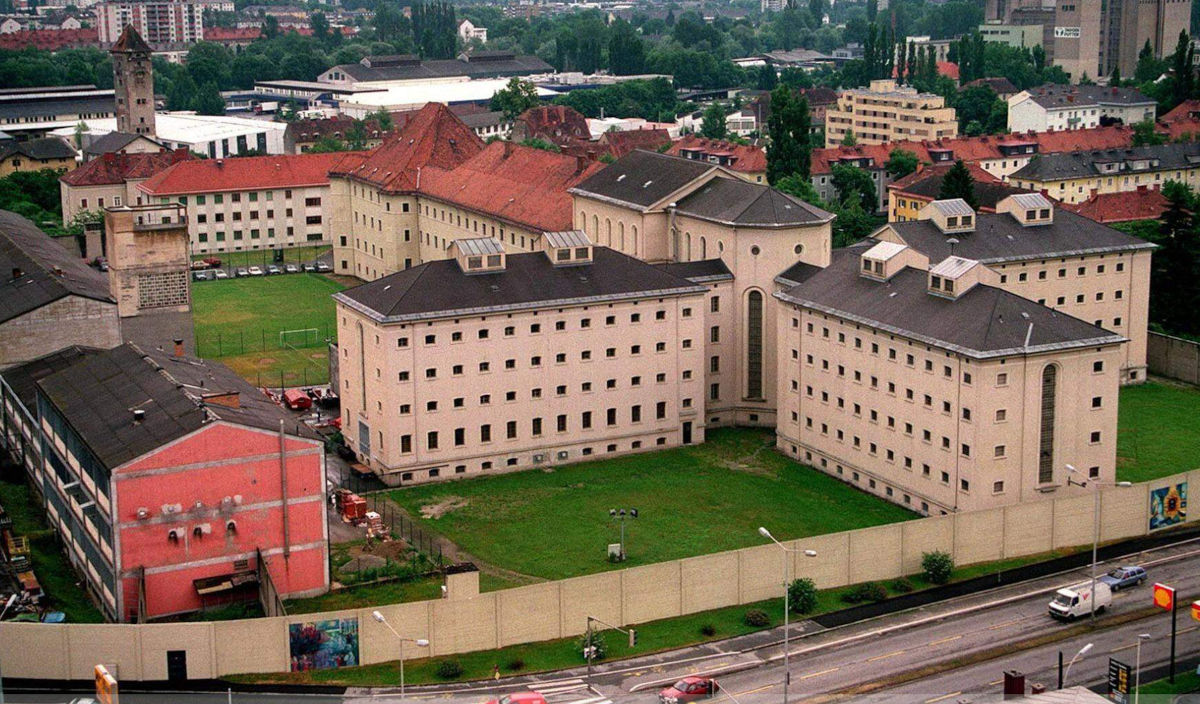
(1118, 681)
(1066, 32)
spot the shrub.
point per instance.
(802, 596)
(449, 669)
(708, 630)
(597, 641)
(757, 618)
(902, 586)
(867, 591)
(514, 665)
(938, 566)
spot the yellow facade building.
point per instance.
(886, 112)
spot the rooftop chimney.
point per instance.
(580, 163)
(1014, 684)
(178, 347)
(17, 272)
(58, 271)
(138, 415)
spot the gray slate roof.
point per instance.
(642, 178)
(998, 237)
(98, 394)
(1066, 165)
(489, 67)
(737, 202)
(112, 142)
(23, 246)
(983, 322)
(24, 110)
(23, 378)
(44, 148)
(1053, 95)
(529, 280)
(700, 271)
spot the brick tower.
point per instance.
(134, 83)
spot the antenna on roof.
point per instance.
(952, 241)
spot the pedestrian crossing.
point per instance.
(574, 691)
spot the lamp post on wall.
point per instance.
(420, 642)
(787, 632)
(1095, 520)
(619, 515)
(1082, 651)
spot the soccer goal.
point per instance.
(295, 339)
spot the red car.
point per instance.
(519, 698)
(689, 689)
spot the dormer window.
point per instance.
(948, 286)
(952, 221)
(569, 248)
(935, 282)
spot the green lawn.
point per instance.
(238, 321)
(554, 523)
(1158, 432)
(50, 565)
(263, 257)
(1186, 681)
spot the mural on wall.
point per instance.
(324, 645)
(1168, 506)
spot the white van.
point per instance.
(1070, 603)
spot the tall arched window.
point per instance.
(687, 247)
(596, 227)
(703, 248)
(754, 344)
(1046, 436)
(621, 234)
(636, 251)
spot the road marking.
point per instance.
(884, 657)
(943, 697)
(993, 684)
(1002, 625)
(753, 691)
(818, 674)
(1189, 630)
(1123, 647)
(945, 640)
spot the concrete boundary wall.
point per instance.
(1173, 357)
(559, 609)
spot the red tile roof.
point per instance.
(748, 158)
(112, 169)
(337, 127)
(518, 184)
(624, 141)
(553, 123)
(248, 173)
(971, 149)
(231, 34)
(50, 39)
(949, 69)
(432, 137)
(1142, 204)
(1187, 110)
(928, 171)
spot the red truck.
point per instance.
(296, 400)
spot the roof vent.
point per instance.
(139, 415)
(17, 272)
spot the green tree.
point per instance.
(1182, 69)
(514, 98)
(541, 144)
(434, 29)
(958, 183)
(1144, 134)
(1175, 269)
(766, 78)
(626, 51)
(849, 140)
(802, 596)
(1148, 68)
(900, 163)
(383, 118)
(938, 566)
(789, 150)
(320, 26)
(974, 104)
(389, 22)
(327, 144)
(713, 124)
(854, 186)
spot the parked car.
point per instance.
(212, 262)
(241, 271)
(309, 266)
(221, 274)
(323, 267)
(1070, 603)
(200, 264)
(202, 275)
(689, 689)
(519, 698)
(256, 271)
(272, 270)
(1122, 577)
(291, 268)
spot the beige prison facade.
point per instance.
(885, 112)
(71, 320)
(466, 621)
(483, 394)
(147, 251)
(236, 221)
(933, 429)
(79, 199)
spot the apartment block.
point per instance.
(886, 112)
(159, 22)
(1054, 108)
(112, 179)
(249, 203)
(493, 361)
(1077, 176)
(172, 482)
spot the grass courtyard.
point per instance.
(1158, 433)
(238, 321)
(691, 501)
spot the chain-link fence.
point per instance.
(239, 342)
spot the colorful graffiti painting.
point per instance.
(324, 645)
(1168, 506)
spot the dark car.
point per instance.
(1122, 577)
(689, 689)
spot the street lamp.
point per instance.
(1081, 653)
(1095, 521)
(620, 514)
(787, 632)
(1137, 668)
(420, 642)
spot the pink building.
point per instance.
(174, 484)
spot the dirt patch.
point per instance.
(375, 552)
(442, 507)
(265, 361)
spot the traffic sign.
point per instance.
(106, 686)
(1196, 610)
(1164, 597)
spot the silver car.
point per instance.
(291, 268)
(272, 270)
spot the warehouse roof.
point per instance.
(47, 270)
